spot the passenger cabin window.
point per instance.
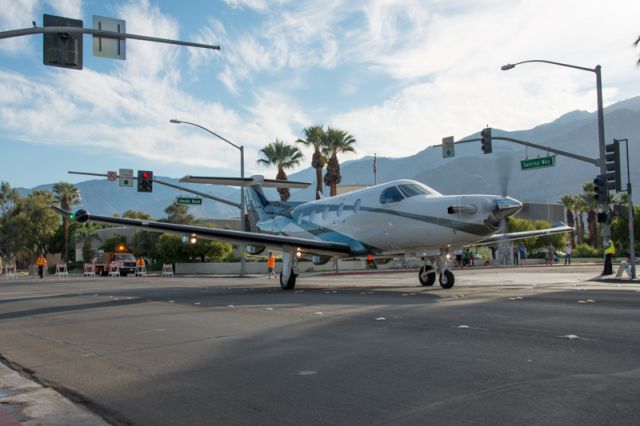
(411, 190)
(391, 195)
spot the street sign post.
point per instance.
(447, 147)
(537, 163)
(189, 201)
(126, 177)
(112, 176)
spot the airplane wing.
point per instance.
(511, 236)
(278, 242)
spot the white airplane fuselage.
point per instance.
(373, 223)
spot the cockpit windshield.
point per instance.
(411, 190)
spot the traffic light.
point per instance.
(145, 181)
(486, 140)
(600, 192)
(62, 49)
(612, 164)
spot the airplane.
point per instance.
(389, 219)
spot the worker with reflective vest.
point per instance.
(271, 265)
(609, 251)
(41, 264)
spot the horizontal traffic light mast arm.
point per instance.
(594, 161)
(181, 188)
(99, 33)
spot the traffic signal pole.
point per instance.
(99, 33)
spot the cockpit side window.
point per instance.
(411, 190)
(391, 195)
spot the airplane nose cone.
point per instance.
(505, 207)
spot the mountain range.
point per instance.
(469, 171)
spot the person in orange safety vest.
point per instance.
(271, 265)
(41, 264)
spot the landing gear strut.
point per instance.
(289, 271)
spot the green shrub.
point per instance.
(585, 250)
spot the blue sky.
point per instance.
(398, 75)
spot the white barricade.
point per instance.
(11, 270)
(114, 271)
(89, 270)
(141, 271)
(61, 270)
(167, 270)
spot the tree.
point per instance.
(580, 207)
(592, 205)
(336, 142)
(8, 198)
(178, 213)
(144, 244)
(67, 196)
(111, 244)
(635, 44)
(36, 223)
(86, 234)
(132, 214)
(569, 205)
(282, 156)
(315, 137)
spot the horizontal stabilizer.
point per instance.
(245, 182)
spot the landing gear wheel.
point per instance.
(427, 276)
(290, 283)
(447, 279)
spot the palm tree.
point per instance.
(579, 208)
(568, 202)
(315, 137)
(67, 195)
(591, 205)
(635, 44)
(282, 156)
(336, 142)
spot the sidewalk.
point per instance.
(25, 402)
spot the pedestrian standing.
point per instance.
(271, 264)
(515, 251)
(551, 254)
(41, 264)
(523, 254)
(609, 251)
(567, 254)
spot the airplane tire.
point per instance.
(447, 279)
(427, 279)
(290, 284)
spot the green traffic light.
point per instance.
(72, 216)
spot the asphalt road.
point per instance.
(504, 346)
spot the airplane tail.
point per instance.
(256, 202)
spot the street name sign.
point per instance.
(447, 147)
(126, 177)
(189, 201)
(537, 163)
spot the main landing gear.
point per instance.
(427, 274)
(289, 271)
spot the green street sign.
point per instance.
(537, 163)
(189, 201)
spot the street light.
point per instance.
(601, 143)
(243, 266)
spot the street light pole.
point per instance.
(243, 266)
(601, 144)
